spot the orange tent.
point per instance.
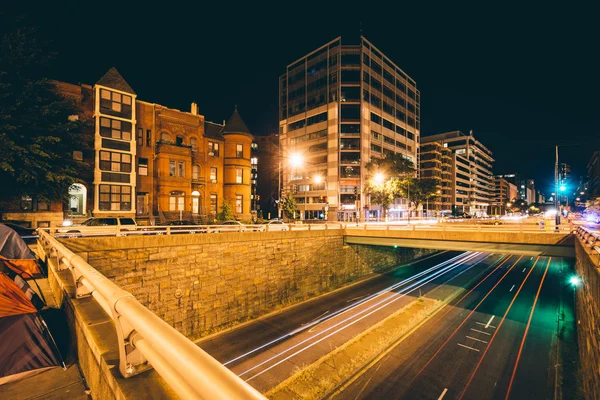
(16, 255)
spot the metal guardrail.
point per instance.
(589, 239)
(84, 231)
(146, 341)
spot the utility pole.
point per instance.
(556, 204)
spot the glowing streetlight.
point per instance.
(508, 204)
(563, 188)
(379, 178)
(318, 179)
(296, 159)
(578, 199)
(575, 281)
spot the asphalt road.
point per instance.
(496, 342)
(269, 350)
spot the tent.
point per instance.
(16, 254)
(25, 342)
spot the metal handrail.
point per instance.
(188, 370)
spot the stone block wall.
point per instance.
(588, 320)
(203, 283)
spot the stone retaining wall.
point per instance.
(588, 319)
(203, 283)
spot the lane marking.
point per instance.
(524, 269)
(489, 322)
(479, 340)
(468, 316)
(467, 347)
(464, 391)
(485, 333)
(306, 323)
(513, 286)
(481, 323)
(443, 393)
(537, 295)
(356, 298)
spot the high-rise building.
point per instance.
(472, 181)
(340, 106)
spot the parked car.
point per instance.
(29, 235)
(185, 226)
(276, 225)
(236, 226)
(99, 226)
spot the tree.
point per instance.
(38, 130)
(423, 189)
(395, 170)
(226, 213)
(288, 205)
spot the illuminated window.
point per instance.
(115, 129)
(213, 149)
(213, 174)
(115, 162)
(196, 172)
(239, 150)
(239, 199)
(115, 198)
(238, 175)
(213, 203)
(143, 166)
(113, 103)
(177, 201)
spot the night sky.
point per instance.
(523, 78)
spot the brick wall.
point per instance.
(203, 283)
(588, 318)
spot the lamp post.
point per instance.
(557, 221)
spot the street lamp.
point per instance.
(379, 178)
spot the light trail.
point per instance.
(347, 308)
(394, 298)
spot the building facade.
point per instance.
(150, 162)
(268, 181)
(472, 185)
(340, 106)
(505, 193)
(437, 163)
(593, 169)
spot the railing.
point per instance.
(421, 224)
(146, 341)
(589, 239)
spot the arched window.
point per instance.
(165, 137)
(179, 140)
(196, 172)
(194, 143)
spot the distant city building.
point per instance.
(340, 106)
(268, 180)
(472, 187)
(437, 163)
(149, 161)
(505, 193)
(593, 186)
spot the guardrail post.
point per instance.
(387, 227)
(365, 226)
(325, 225)
(168, 229)
(309, 225)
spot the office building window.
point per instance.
(238, 175)
(213, 174)
(143, 166)
(213, 203)
(177, 201)
(239, 200)
(115, 162)
(115, 198)
(239, 150)
(115, 129)
(213, 149)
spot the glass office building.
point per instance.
(340, 106)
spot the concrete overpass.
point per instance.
(484, 239)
